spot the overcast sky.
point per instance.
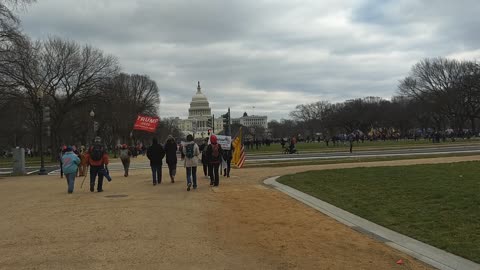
(267, 54)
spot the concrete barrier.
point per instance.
(18, 161)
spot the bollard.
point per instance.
(18, 161)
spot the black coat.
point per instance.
(210, 158)
(155, 154)
(171, 152)
(228, 154)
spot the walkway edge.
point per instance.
(431, 255)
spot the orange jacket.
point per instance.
(101, 162)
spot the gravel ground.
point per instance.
(240, 225)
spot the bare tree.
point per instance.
(448, 87)
(124, 97)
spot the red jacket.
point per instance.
(100, 162)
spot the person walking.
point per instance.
(203, 149)
(70, 162)
(214, 157)
(227, 156)
(83, 161)
(171, 157)
(350, 140)
(155, 154)
(60, 154)
(190, 152)
(125, 155)
(97, 158)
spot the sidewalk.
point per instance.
(424, 252)
(241, 225)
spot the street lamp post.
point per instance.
(42, 170)
(92, 115)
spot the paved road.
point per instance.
(144, 164)
(369, 153)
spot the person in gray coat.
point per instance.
(190, 153)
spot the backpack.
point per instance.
(189, 150)
(97, 152)
(215, 152)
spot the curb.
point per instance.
(431, 255)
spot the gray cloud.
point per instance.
(269, 54)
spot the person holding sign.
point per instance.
(203, 149)
(214, 157)
(227, 156)
(190, 153)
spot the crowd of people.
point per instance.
(76, 161)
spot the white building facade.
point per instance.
(251, 121)
(199, 114)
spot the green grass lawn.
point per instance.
(312, 147)
(435, 204)
(281, 163)
(29, 161)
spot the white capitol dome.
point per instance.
(199, 106)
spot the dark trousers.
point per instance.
(213, 171)
(172, 169)
(227, 169)
(94, 171)
(126, 165)
(205, 169)
(156, 173)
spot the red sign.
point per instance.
(146, 123)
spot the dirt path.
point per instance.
(240, 225)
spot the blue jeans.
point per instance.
(156, 173)
(70, 181)
(192, 173)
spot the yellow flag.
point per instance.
(237, 145)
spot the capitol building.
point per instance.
(199, 114)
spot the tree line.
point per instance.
(67, 91)
(439, 96)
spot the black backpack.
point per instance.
(97, 152)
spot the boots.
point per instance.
(172, 178)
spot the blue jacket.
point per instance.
(70, 162)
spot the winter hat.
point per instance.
(213, 139)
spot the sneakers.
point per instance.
(188, 186)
